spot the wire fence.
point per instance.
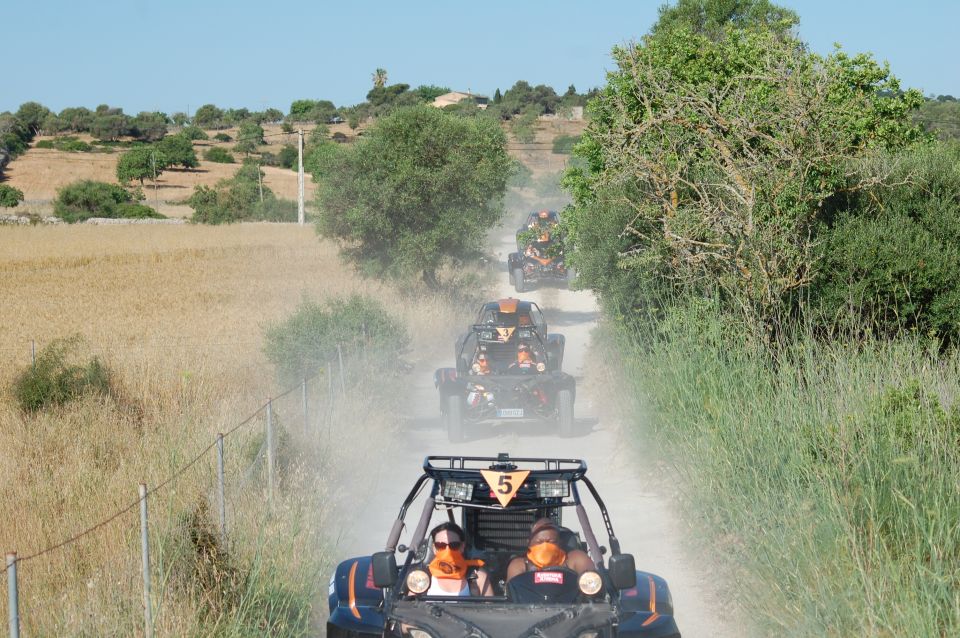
(309, 401)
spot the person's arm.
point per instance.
(578, 561)
(483, 583)
(516, 567)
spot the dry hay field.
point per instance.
(39, 172)
(177, 312)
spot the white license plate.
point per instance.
(513, 413)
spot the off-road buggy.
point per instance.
(506, 315)
(496, 501)
(500, 375)
(539, 255)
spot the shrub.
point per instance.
(523, 127)
(133, 210)
(239, 199)
(82, 200)
(73, 145)
(44, 144)
(222, 137)
(891, 261)
(306, 341)
(59, 377)
(287, 157)
(563, 144)
(193, 133)
(219, 155)
(520, 175)
(10, 196)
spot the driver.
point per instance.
(544, 551)
(452, 574)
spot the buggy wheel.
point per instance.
(519, 281)
(455, 418)
(510, 276)
(565, 412)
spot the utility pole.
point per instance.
(300, 213)
(260, 183)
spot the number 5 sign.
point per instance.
(504, 485)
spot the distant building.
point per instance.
(455, 97)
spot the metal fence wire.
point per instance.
(15, 566)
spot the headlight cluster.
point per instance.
(418, 581)
(590, 583)
(457, 491)
(419, 633)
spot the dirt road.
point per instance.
(642, 517)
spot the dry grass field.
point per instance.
(178, 313)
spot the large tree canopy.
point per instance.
(713, 162)
(421, 187)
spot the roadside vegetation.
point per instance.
(774, 240)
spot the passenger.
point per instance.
(526, 361)
(481, 365)
(544, 551)
(452, 574)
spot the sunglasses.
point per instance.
(455, 545)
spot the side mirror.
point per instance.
(384, 569)
(622, 570)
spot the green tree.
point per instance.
(32, 115)
(713, 164)
(180, 119)
(421, 187)
(10, 196)
(249, 137)
(149, 126)
(710, 17)
(379, 78)
(75, 119)
(430, 92)
(177, 150)
(109, 124)
(208, 116)
(140, 162)
(272, 115)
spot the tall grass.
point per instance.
(829, 474)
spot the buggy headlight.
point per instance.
(487, 335)
(553, 489)
(590, 583)
(457, 490)
(419, 633)
(418, 581)
(589, 634)
(541, 367)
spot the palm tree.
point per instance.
(380, 78)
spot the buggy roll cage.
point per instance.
(487, 334)
(468, 468)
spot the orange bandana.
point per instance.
(451, 564)
(546, 555)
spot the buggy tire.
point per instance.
(519, 281)
(455, 418)
(565, 412)
(338, 632)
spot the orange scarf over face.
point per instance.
(451, 564)
(546, 555)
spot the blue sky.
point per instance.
(178, 54)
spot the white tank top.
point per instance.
(436, 591)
